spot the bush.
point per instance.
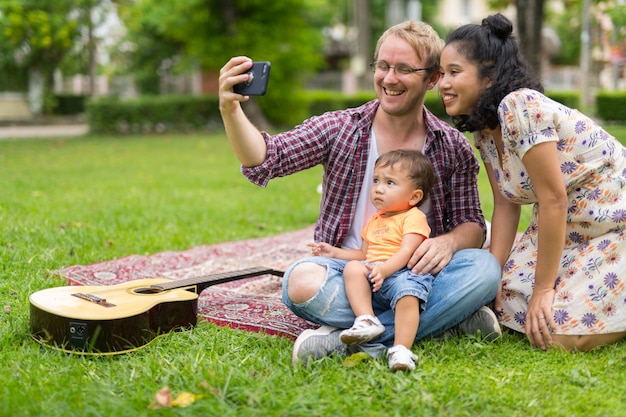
(320, 101)
(68, 104)
(435, 105)
(611, 106)
(153, 114)
(185, 113)
(286, 110)
(570, 99)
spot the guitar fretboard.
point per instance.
(219, 278)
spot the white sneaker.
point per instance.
(364, 329)
(313, 344)
(484, 321)
(401, 358)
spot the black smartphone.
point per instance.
(257, 84)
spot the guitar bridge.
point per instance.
(94, 299)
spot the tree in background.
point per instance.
(206, 33)
(36, 38)
(607, 36)
(83, 58)
(530, 17)
(179, 36)
(146, 48)
(379, 22)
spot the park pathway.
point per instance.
(43, 131)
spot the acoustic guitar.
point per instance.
(115, 319)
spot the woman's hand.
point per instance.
(539, 318)
(497, 303)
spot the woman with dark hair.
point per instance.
(564, 281)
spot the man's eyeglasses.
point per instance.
(400, 69)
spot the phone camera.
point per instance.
(250, 79)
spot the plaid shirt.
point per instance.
(339, 140)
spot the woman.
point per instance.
(564, 279)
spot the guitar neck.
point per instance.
(206, 281)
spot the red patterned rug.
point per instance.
(252, 304)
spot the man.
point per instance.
(347, 143)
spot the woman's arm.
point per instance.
(542, 164)
(504, 224)
(504, 221)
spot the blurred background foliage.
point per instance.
(44, 41)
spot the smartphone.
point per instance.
(257, 84)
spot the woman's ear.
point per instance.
(488, 81)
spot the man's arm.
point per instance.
(435, 253)
(244, 137)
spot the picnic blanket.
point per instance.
(252, 304)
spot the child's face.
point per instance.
(392, 190)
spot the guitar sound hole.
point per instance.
(148, 290)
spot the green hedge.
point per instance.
(320, 101)
(611, 106)
(570, 99)
(68, 104)
(153, 114)
(158, 114)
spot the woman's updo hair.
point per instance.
(499, 25)
(493, 48)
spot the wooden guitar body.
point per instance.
(119, 318)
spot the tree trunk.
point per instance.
(255, 114)
(36, 91)
(529, 23)
(93, 66)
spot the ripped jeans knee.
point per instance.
(329, 306)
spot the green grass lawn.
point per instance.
(79, 201)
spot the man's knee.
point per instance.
(486, 266)
(304, 281)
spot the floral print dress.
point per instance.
(591, 282)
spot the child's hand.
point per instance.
(321, 249)
(376, 277)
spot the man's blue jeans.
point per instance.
(468, 282)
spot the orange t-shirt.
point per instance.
(384, 234)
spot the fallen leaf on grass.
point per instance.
(7, 309)
(357, 358)
(185, 399)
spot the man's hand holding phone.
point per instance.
(258, 77)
